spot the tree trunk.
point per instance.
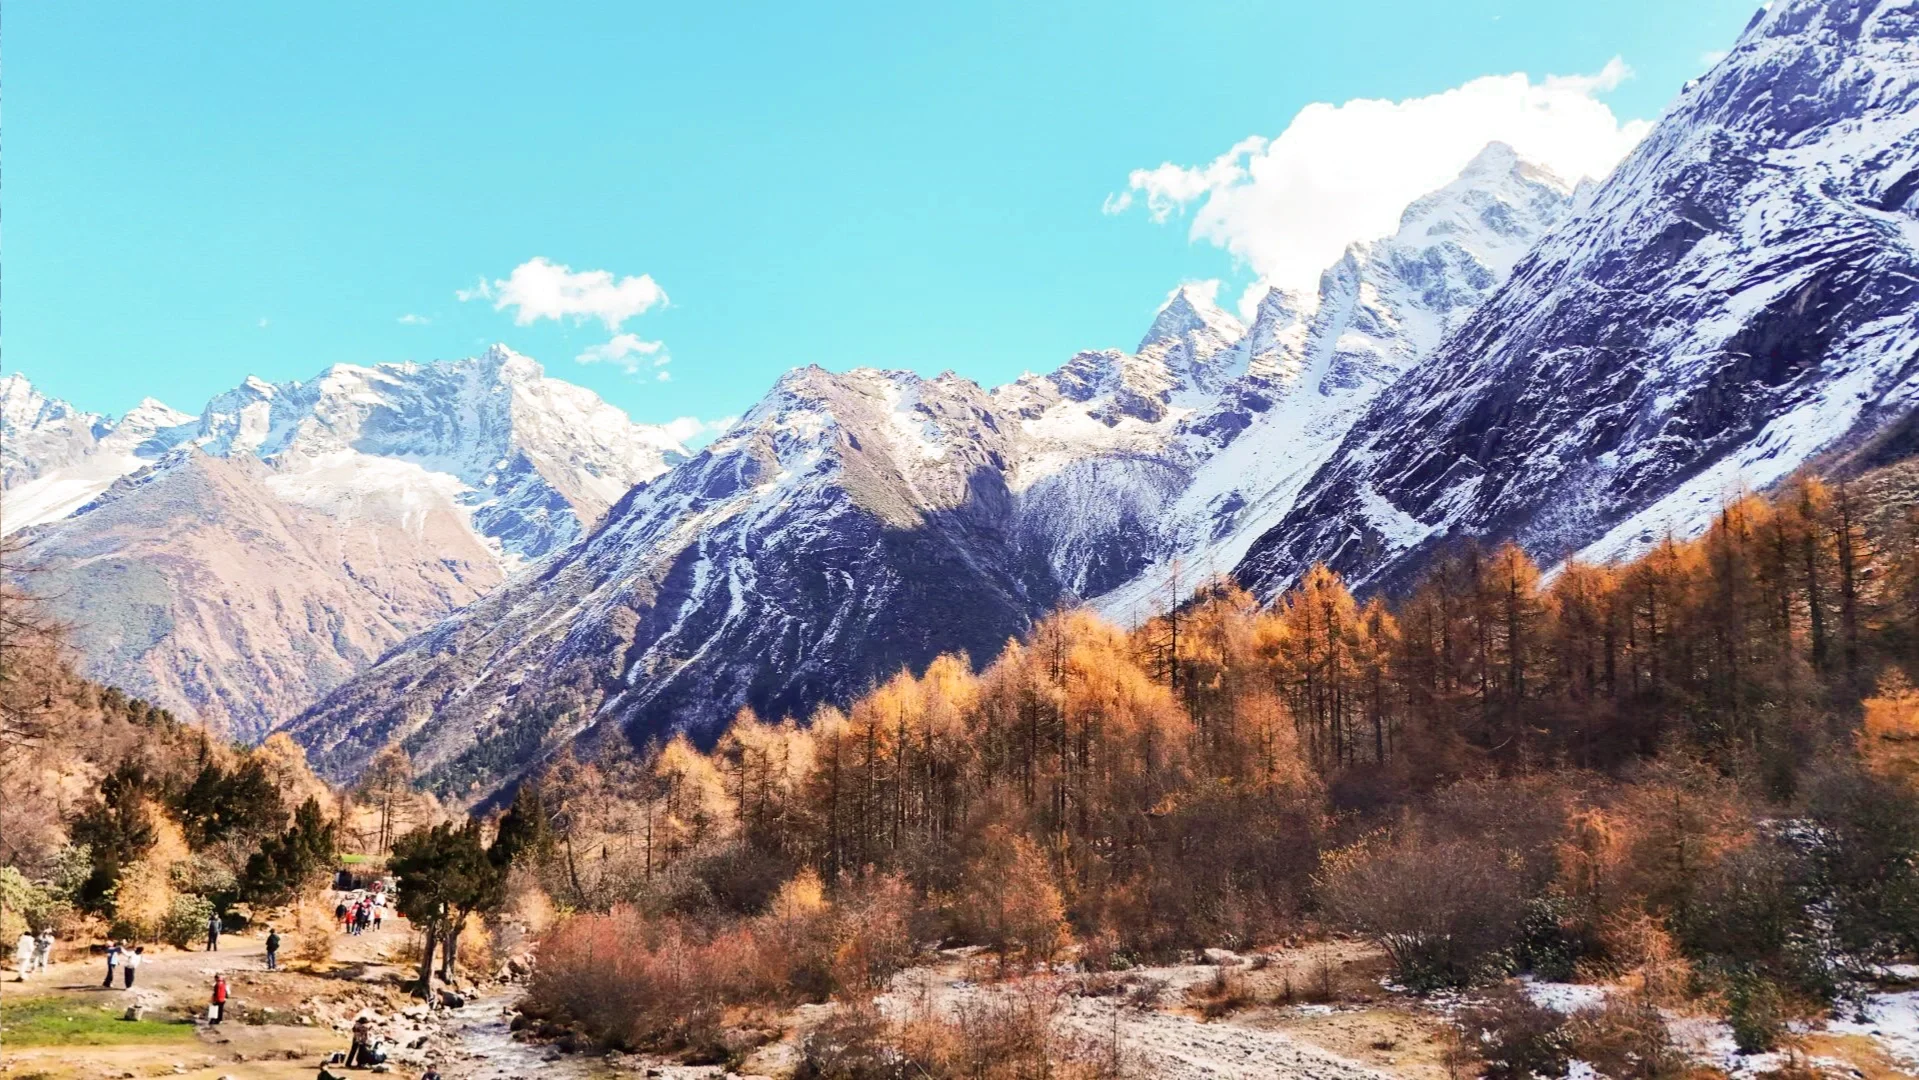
(426, 962)
(449, 955)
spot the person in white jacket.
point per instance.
(43, 950)
(23, 951)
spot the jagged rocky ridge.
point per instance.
(1740, 298)
(236, 565)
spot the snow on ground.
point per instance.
(54, 495)
(1564, 997)
(1892, 1020)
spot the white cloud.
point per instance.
(542, 289)
(1711, 57)
(411, 319)
(1288, 206)
(693, 431)
(264, 322)
(629, 352)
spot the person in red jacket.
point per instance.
(219, 999)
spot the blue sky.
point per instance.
(196, 192)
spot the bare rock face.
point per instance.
(201, 590)
(1741, 296)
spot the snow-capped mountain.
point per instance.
(855, 523)
(525, 457)
(54, 458)
(848, 525)
(1310, 367)
(328, 518)
(1740, 296)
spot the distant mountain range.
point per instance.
(1580, 369)
(237, 564)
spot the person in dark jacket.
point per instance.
(362, 1039)
(273, 949)
(213, 932)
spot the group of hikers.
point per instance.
(356, 916)
(31, 954)
(362, 914)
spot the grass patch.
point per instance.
(53, 1021)
(349, 859)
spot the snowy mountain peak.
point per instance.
(23, 406)
(1494, 210)
(1497, 158)
(1190, 313)
(153, 412)
(524, 459)
(510, 366)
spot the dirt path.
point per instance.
(1179, 1047)
(1157, 1042)
(280, 1024)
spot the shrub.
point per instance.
(854, 1043)
(1518, 1038)
(1751, 913)
(1226, 992)
(1626, 1039)
(1547, 945)
(185, 920)
(1443, 912)
(1868, 858)
(1756, 1012)
(663, 982)
(1009, 1035)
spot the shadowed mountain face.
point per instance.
(1741, 295)
(850, 525)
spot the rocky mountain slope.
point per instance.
(1741, 296)
(855, 523)
(235, 565)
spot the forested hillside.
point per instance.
(1660, 767)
